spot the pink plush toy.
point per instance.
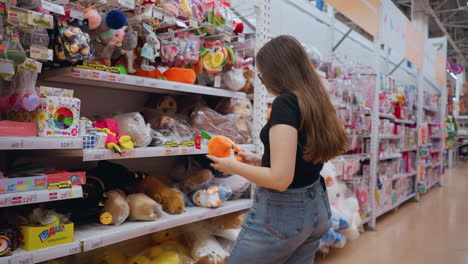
(93, 16)
(114, 141)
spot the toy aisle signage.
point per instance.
(365, 13)
(393, 27)
(414, 41)
(440, 68)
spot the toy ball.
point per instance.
(116, 19)
(30, 102)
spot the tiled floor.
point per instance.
(432, 231)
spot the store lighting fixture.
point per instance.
(454, 76)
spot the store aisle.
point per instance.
(432, 231)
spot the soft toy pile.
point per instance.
(345, 219)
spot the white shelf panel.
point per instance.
(406, 122)
(390, 137)
(430, 109)
(404, 175)
(409, 149)
(398, 203)
(40, 196)
(19, 143)
(21, 256)
(387, 116)
(96, 236)
(106, 154)
(390, 156)
(404, 199)
(133, 83)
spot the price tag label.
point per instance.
(193, 23)
(60, 2)
(40, 20)
(187, 147)
(96, 243)
(158, 12)
(128, 4)
(169, 19)
(17, 144)
(181, 24)
(29, 198)
(74, 250)
(64, 194)
(77, 13)
(99, 155)
(41, 53)
(22, 259)
(67, 144)
(217, 81)
(140, 81)
(7, 67)
(17, 15)
(54, 8)
(171, 148)
(127, 153)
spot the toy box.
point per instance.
(59, 116)
(17, 129)
(45, 91)
(75, 178)
(23, 184)
(37, 237)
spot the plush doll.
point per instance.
(117, 206)
(238, 184)
(143, 208)
(203, 246)
(109, 256)
(133, 125)
(333, 237)
(150, 50)
(129, 44)
(166, 105)
(221, 146)
(114, 141)
(195, 181)
(229, 221)
(181, 75)
(171, 200)
(211, 195)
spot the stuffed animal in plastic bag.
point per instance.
(202, 245)
(133, 125)
(117, 206)
(115, 141)
(143, 208)
(211, 195)
(333, 237)
(343, 200)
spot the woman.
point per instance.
(291, 211)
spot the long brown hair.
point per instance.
(285, 67)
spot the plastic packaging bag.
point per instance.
(143, 208)
(28, 97)
(133, 125)
(238, 185)
(234, 79)
(204, 118)
(73, 40)
(117, 206)
(211, 195)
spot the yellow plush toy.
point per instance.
(171, 200)
(140, 260)
(109, 256)
(168, 257)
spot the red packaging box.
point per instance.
(18, 129)
(76, 177)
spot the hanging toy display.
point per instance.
(215, 56)
(29, 99)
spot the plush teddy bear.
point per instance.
(143, 208)
(171, 200)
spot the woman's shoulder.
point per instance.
(286, 99)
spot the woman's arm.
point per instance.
(283, 148)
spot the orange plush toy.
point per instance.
(181, 75)
(148, 74)
(220, 146)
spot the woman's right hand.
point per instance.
(250, 158)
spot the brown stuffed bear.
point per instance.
(171, 200)
(195, 181)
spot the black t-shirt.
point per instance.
(285, 110)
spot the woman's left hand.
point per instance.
(224, 165)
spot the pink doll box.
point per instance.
(45, 91)
(59, 116)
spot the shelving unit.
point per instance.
(23, 143)
(40, 196)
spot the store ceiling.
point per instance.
(453, 15)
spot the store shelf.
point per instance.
(404, 175)
(96, 236)
(395, 205)
(20, 198)
(84, 77)
(436, 137)
(390, 137)
(433, 123)
(387, 116)
(19, 143)
(106, 154)
(21, 256)
(406, 122)
(409, 149)
(430, 109)
(390, 156)
(404, 199)
(433, 183)
(437, 164)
